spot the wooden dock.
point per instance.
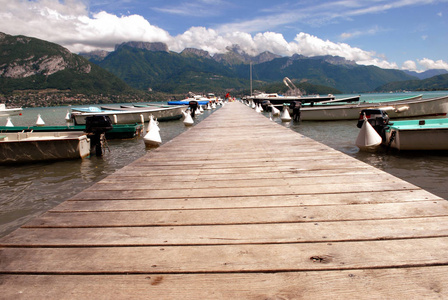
(237, 207)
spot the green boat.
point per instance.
(422, 134)
(119, 131)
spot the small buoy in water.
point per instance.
(68, 117)
(275, 111)
(188, 120)
(368, 139)
(39, 121)
(152, 124)
(9, 123)
(152, 138)
(285, 117)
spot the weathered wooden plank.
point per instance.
(406, 283)
(278, 233)
(227, 258)
(243, 215)
(127, 192)
(149, 183)
(245, 202)
(333, 174)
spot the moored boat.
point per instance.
(5, 112)
(416, 134)
(23, 147)
(399, 108)
(423, 134)
(196, 98)
(129, 115)
(119, 131)
(276, 99)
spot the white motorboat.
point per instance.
(401, 108)
(22, 147)
(6, 112)
(129, 115)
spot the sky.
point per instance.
(392, 34)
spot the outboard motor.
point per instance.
(193, 105)
(266, 105)
(379, 119)
(96, 127)
(295, 106)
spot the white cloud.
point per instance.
(69, 24)
(357, 33)
(431, 64)
(409, 65)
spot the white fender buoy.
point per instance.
(188, 121)
(253, 104)
(68, 117)
(260, 108)
(257, 109)
(9, 123)
(285, 117)
(39, 121)
(401, 109)
(115, 119)
(368, 139)
(198, 111)
(213, 105)
(142, 118)
(152, 138)
(208, 106)
(201, 109)
(275, 111)
(153, 124)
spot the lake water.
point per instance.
(29, 190)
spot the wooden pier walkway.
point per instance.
(237, 207)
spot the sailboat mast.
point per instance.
(251, 79)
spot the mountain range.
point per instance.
(151, 71)
(153, 66)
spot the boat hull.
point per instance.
(279, 100)
(6, 112)
(411, 107)
(119, 131)
(430, 134)
(33, 147)
(132, 116)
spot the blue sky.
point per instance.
(400, 34)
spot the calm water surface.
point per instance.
(29, 190)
